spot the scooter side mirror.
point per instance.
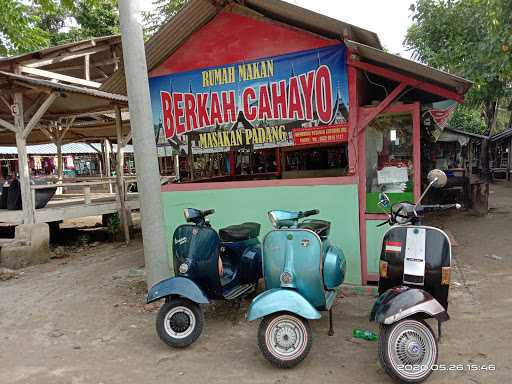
(438, 178)
(384, 201)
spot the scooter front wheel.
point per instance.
(408, 350)
(284, 339)
(179, 322)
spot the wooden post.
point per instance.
(190, 157)
(60, 165)
(120, 175)
(87, 67)
(108, 172)
(509, 162)
(87, 195)
(21, 144)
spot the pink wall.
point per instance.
(231, 38)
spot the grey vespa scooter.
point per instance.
(414, 278)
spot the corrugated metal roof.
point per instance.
(312, 21)
(502, 135)
(167, 39)
(197, 13)
(67, 149)
(412, 67)
(57, 48)
(65, 87)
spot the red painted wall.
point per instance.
(230, 38)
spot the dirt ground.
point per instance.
(81, 319)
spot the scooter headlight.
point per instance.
(183, 268)
(286, 278)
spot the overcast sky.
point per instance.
(389, 19)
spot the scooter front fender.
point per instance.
(398, 303)
(179, 286)
(281, 300)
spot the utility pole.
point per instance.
(146, 163)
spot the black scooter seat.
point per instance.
(320, 227)
(240, 232)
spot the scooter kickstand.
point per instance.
(439, 332)
(331, 328)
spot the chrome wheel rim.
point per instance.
(412, 349)
(286, 337)
(179, 322)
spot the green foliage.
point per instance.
(94, 19)
(19, 31)
(163, 11)
(113, 225)
(30, 25)
(467, 119)
(471, 38)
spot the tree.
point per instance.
(18, 26)
(471, 38)
(163, 11)
(30, 25)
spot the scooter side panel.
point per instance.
(198, 248)
(245, 258)
(180, 286)
(334, 267)
(298, 252)
(281, 300)
(437, 256)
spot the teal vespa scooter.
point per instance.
(303, 273)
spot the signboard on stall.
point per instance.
(294, 99)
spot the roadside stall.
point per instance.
(264, 105)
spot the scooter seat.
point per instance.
(240, 232)
(320, 227)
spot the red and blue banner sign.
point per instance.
(294, 99)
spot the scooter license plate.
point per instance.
(414, 259)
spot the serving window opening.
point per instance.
(389, 160)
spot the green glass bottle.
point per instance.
(364, 334)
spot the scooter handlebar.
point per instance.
(435, 207)
(310, 212)
(207, 212)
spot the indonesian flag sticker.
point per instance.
(393, 247)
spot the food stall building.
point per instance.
(264, 105)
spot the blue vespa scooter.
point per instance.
(303, 273)
(208, 266)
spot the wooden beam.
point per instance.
(34, 105)
(95, 64)
(120, 174)
(127, 138)
(7, 125)
(423, 85)
(65, 57)
(24, 172)
(4, 100)
(69, 124)
(93, 147)
(59, 76)
(381, 107)
(87, 67)
(39, 113)
(47, 133)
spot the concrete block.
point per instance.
(31, 246)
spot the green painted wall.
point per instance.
(337, 203)
(374, 237)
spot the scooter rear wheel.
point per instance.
(407, 350)
(284, 339)
(179, 322)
